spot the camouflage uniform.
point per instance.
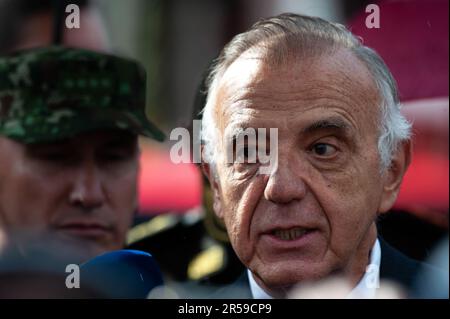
(56, 92)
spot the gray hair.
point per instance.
(288, 35)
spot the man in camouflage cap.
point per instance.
(69, 120)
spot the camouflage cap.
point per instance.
(56, 92)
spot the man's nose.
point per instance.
(87, 191)
(285, 183)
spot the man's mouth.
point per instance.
(290, 238)
(86, 230)
(291, 233)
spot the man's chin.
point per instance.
(62, 246)
(282, 278)
(81, 247)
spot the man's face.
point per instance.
(81, 190)
(313, 215)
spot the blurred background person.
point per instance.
(69, 154)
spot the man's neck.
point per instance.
(358, 264)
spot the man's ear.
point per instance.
(215, 189)
(393, 176)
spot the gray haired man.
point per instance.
(343, 148)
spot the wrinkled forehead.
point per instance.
(253, 85)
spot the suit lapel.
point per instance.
(397, 267)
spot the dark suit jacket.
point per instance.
(395, 266)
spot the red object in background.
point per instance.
(413, 41)
(165, 186)
(425, 186)
(426, 183)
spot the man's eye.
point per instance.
(54, 156)
(115, 156)
(324, 150)
(119, 154)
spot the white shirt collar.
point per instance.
(257, 291)
(365, 289)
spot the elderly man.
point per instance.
(69, 120)
(342, 149)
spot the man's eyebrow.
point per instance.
(332, 123)
(49, 145)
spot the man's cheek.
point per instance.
(349, 216)
(232, 215)
(339, 195)
(29, 206)
(126, 194)
(127, 180)
(245, 199)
